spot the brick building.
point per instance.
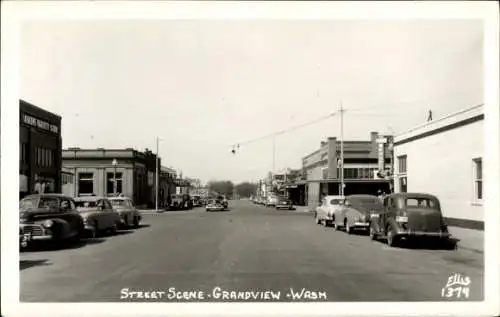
(40, 147)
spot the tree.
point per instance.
(222, 187)
(246, 189)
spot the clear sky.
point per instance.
(204, 85)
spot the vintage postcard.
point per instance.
(249, 158)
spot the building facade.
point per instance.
(444, 157)
(106, 172)
(40, 147)
(367, 168)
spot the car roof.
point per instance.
(90, 198)
(119, 198)
(49, 195)
(413, 195)
(362, 196)
(334, 197)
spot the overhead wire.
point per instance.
(300, 126)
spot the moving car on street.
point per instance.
(408, 216)
(223, 201)
(325, 213)
(130, 216)
(49, 217)
(284, 203)
(354, 214)
(215, 205)
(98, 215)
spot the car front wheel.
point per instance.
(391, 239)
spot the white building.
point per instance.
(444, 157)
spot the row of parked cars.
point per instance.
(394, 218)
(273, 201)
(58, 218)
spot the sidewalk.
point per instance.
(469, 239)
(300, 209)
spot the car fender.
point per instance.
(61, 228)
(374, 222)
(391, 222)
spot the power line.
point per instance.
(286, 130)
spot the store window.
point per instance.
(85, 183)
(478, 178)
(110, 183)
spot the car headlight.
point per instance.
(401, 219)
(48, 223)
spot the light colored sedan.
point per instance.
(325, 213)
(130, 216)
(98, 215)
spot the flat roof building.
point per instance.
(443, 157)
(40, 146)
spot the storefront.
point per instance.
(108, 172)
(39, 150)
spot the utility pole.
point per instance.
(341, 150)
(157, 173)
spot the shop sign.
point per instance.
(381, 165)
(41, 124)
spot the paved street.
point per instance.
(249, 248)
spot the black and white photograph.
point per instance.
(324, 158)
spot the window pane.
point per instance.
(86, 176)
(479, 189)
(479, 169)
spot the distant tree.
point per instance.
(221, 187)
(246, 189)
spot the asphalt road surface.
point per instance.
(250, 253)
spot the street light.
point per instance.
(115, 163)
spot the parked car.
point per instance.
(325, 213)
(196, 201)
(49, 217)
(284, 203)
(214, 205)
(410, 216)
(271, 201)
(130, 216)
(98, 215)
(354, 214)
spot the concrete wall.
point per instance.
(442, 164)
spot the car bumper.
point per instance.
(361, 225)
(423, 234)
(36, 232)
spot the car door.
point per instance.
(389, 210)
(67, 212)
(110, 213)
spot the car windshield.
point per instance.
(86, 204)
(48, 203)
(121, 203)
(335, 202)
(28, 203)
(420, 202)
